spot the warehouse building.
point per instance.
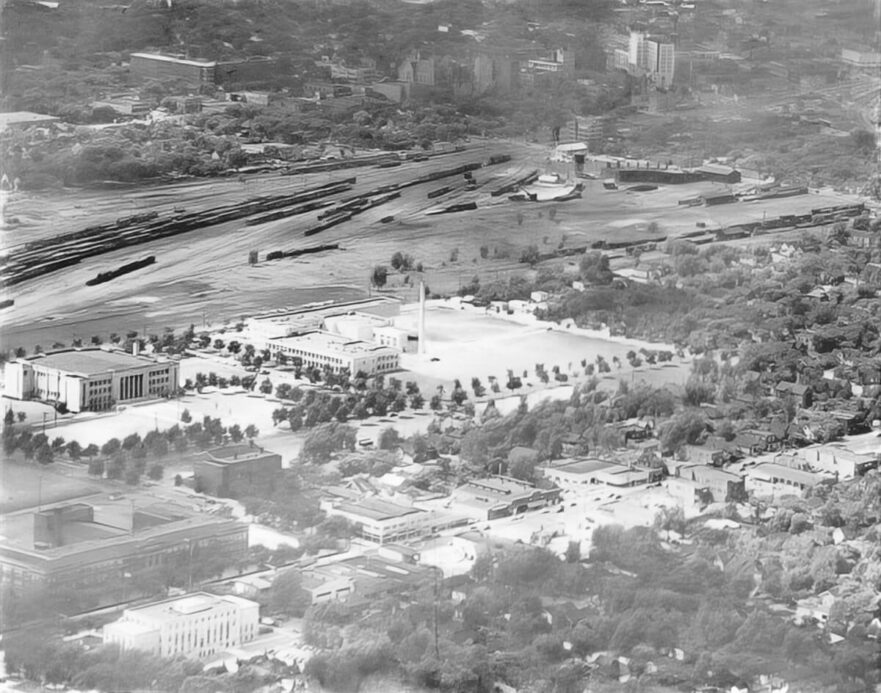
(196, 625)
(91, 379)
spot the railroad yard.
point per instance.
(179, 253)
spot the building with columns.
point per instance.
(91, 379)
(196, 625)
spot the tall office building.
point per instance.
(660, 62)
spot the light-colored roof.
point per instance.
(329, 343)
(584, 466)
(375, 509)
(175, 59)
(123, 627)
(89, 361)
(188, 605)
(236, 452)
(23, 118)
(778, 470)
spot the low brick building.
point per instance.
(234, 470)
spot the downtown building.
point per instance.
(196, 625)
(99, 540)
(91, 379)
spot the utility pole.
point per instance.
(436, 646)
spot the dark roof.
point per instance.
(794, 388)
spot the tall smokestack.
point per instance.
(421, 317)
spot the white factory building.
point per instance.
(335, 352)
(90, 379)
(196, 625)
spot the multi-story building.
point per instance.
(91, 379)
(861, 59)
(383, 521)
(195, 72)
(196, 625)
(723, 486)
(636, 51)
(499, 496)
(99, 540)
(159, 66)
(660, 62)
(235, 470)
(335, 352)
(262, 329)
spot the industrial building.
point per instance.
(837, 459)
(100, 539)
(578, 475)
(232, 471)
(261, 329)
(770, 478)
(363, 579)
(499, 496)
(335, 352)
(91, 379)
(196, 72)
(196, 625)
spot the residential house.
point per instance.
(702, 454)
(755, 442)
(802, 394)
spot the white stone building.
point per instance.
(91, 379)
(196, 625)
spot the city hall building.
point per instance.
(91, 379)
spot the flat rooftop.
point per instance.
(376, 509)
(501, 485)
(237, 453)
(787, 473)
(714, 473)
(584, 466)
(175, 59)
(188, 605)
(328, 342)
(383, 306)
(23, 118)
(88, 361)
